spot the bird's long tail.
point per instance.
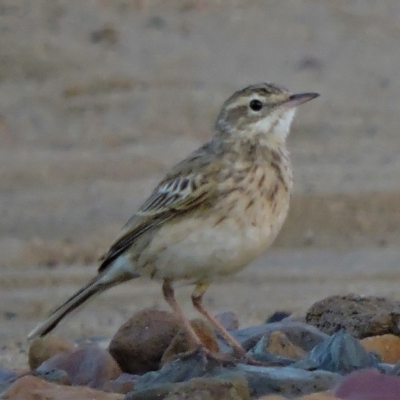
(95, 286)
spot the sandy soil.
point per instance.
(99, 98)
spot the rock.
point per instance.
(125, 383)
(319, 396)
(44, 348)
(89, 365)
(140, 342)
(299, 333)
(260, 353)
(179, 370)
(58, 376)
(228, 319)
(368, 385)
(277, 316)
(232, 388)
(286, 381)
(360, 316)
(7, 377)
(272, 397)
(386, 346)
(33, 388)
(182, 343)
(341, 353)
(279, 344)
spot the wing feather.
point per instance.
(180, 192)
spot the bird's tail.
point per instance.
(95, 286)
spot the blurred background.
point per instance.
(99, 98)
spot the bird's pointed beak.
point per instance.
(296, 99)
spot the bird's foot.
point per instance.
(208, 356)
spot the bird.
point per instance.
(212, 214)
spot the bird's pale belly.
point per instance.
(201, 249)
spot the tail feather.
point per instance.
(95, 286)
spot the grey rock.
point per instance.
(259, 353)
(286, 381)
(301, 334)
(179, 370)
(341, 353)
(58, 376)
(358, 315)
(230, 387)
(89, 365)
(7, 377)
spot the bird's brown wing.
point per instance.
(181, 191)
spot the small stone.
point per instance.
(231, 387)
(125, 383)
(358, 315)
(228, 320)
(182, 343)
(341, 353)
(299, 333)
(386, 346)
(368, 384)
(140, 342)
(278, 316)
(181, 369)
(58, 376)
(279, 345)
(44, 348)
(319, 396)
(286, 381)
(33, 388)
(89, 365)
(6, 378)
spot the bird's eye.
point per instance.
(256, 105)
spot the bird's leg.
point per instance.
(197, 298)
(169, 296)
(238, 350)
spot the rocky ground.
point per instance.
(98, 99)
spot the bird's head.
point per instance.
(263, 109)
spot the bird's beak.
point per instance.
(296, 99)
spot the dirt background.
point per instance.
(98, 98)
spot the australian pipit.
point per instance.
(213, 213)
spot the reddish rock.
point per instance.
(44, 348)
(280, 345)
(387, 346)
(89, 365)
(228, 319)
(32, 388)
(140, 342)
(369, 384)
(181, 343)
